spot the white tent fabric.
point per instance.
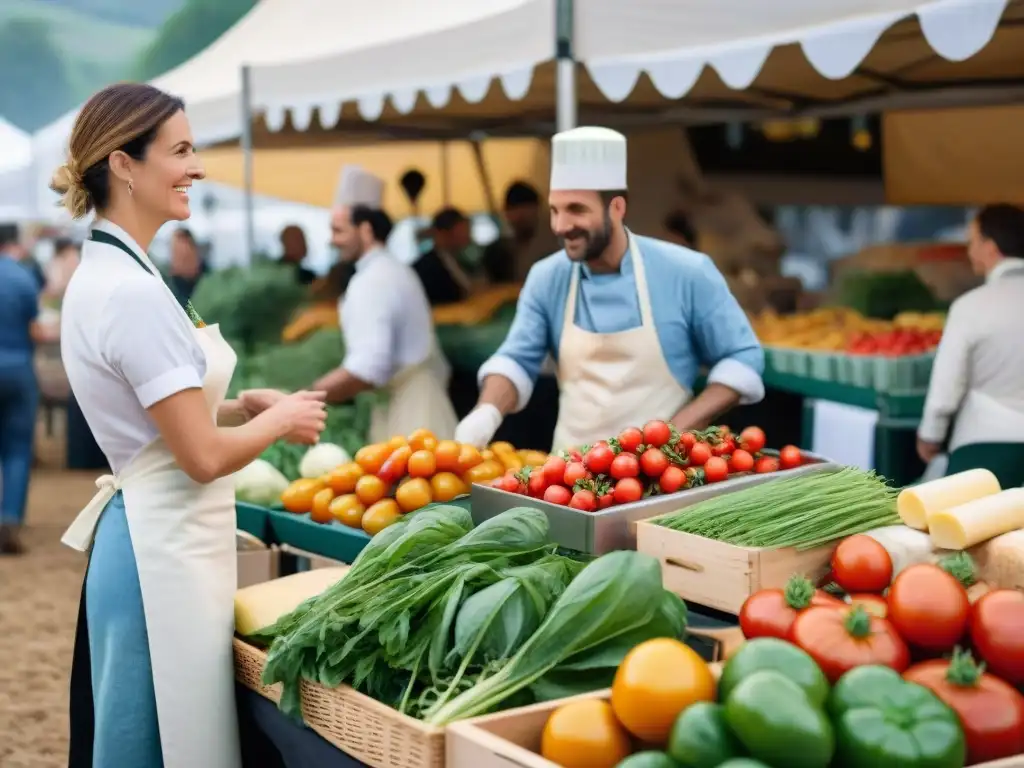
(673, 40)
(15, 173)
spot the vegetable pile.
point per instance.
(801, 512)
(387, 480)
(644, 462)
(444, 621)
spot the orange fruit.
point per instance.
(320, 511)
(298, 497)
(348, 510)
(380, 515)
(414, 494)
(446, 486)
(419, 437)
(585, 733)
(422, 464)
(370, 489)
(372, 457)
(343, 479)
(397, 442)
(447, 456)
(469, 457)
(484, 472)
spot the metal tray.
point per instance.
(610, 529)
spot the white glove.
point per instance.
(479, 426)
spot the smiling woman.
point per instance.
(152, 681)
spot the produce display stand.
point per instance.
(252, 519)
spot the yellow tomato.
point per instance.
(418, 439)
(484, 472)
(446, 455)
(585, 734)
(372, 457)
(502, 447)
(533, 458)
(414, 494)
(298, 497)
(370, 489)
(487, 454)
(397, 442)
(510, 461)
(320, 511)
(380, 515)
(656, 681)
(446, 486)
(422, 464)
(348, 510)
(343, 479)
(469, 457)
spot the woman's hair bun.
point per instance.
(67, 182)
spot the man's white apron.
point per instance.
(610, 381)
(416, 397)
(183, 534)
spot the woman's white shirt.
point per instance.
(126, 345)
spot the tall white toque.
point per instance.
(588, 158)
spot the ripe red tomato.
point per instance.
(997, 631)
(508, 482)
(741, 461)
(657, 433)
(840, 639)
(723, 447)
(766, 464)
(653, 462)
(553, 469)
(771, 612)
(630, 439)
(573, 454)
(752, 439)
(861, 564)
(625, 465)
(628, 490)
(537, 484)
(599, 458)
(699, 453)
(584, 501)
(790, 457)
(991, 710)
(557, 494)
(687, 440)
(605, 500)
(673, 479)
(715, 470)
(574, 472)
(929, 607)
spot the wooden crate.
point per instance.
(720, 575)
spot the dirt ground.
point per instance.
(38, 609)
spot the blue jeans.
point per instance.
(19, 399)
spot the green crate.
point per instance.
(862, 371)
(252, 519)
(781, 360)
(823, 366)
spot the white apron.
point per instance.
(183, 534)
(610, 381)
(416, 397)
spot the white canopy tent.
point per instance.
(15, 173)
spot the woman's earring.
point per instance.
(130, 190)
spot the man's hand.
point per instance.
(928, 451)
(479, 426)
(256, 401)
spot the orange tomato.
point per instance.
(487, 454)
(343, 479)
(502, 447)
(394, 468)
(484, 472)
(469, 457)
(422, 464)
(447, 456)
(370, 489)
(414, 494)
(397, 442)
(320, 511)
(380, 515)
(348, 510)
(419, 437)
(585, 734)
(372, 457)
(429, 444)
(447, 485)
(298, 497)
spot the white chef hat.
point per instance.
(357, 186)
(588, 158)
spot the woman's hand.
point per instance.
(301, 417)
(253, 402)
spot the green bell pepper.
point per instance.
(769, 653)
(773, 718)
(700, 737)
(883, 721)
(647, 759)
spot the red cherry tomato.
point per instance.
(557, 494)
(599, 458)
(625, 465)
(584, 501)
(687, 440)
(861, 564)
(508, 482)
(741, 461)
(766, 464)
(553, 469)
(537, 484)
(699, 454)
(574, 472)
(630, 439)
(673, 479)
(790, 457)
(657, 433)
(715, 470)
(605, 500)
(628, 490)
(752, 439)
(653, 462)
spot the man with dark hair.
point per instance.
(630, 320)
(976, 394)
(12, 247)
(187, 265)
(294, 251)
(527, 237)
(390, 343)
(446, 276)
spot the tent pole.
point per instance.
(565, 67)
(247, 156)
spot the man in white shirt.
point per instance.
(976, 393)
(390, 345)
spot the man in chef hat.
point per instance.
(630, 320)
(386, 322)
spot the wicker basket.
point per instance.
(359, 726)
